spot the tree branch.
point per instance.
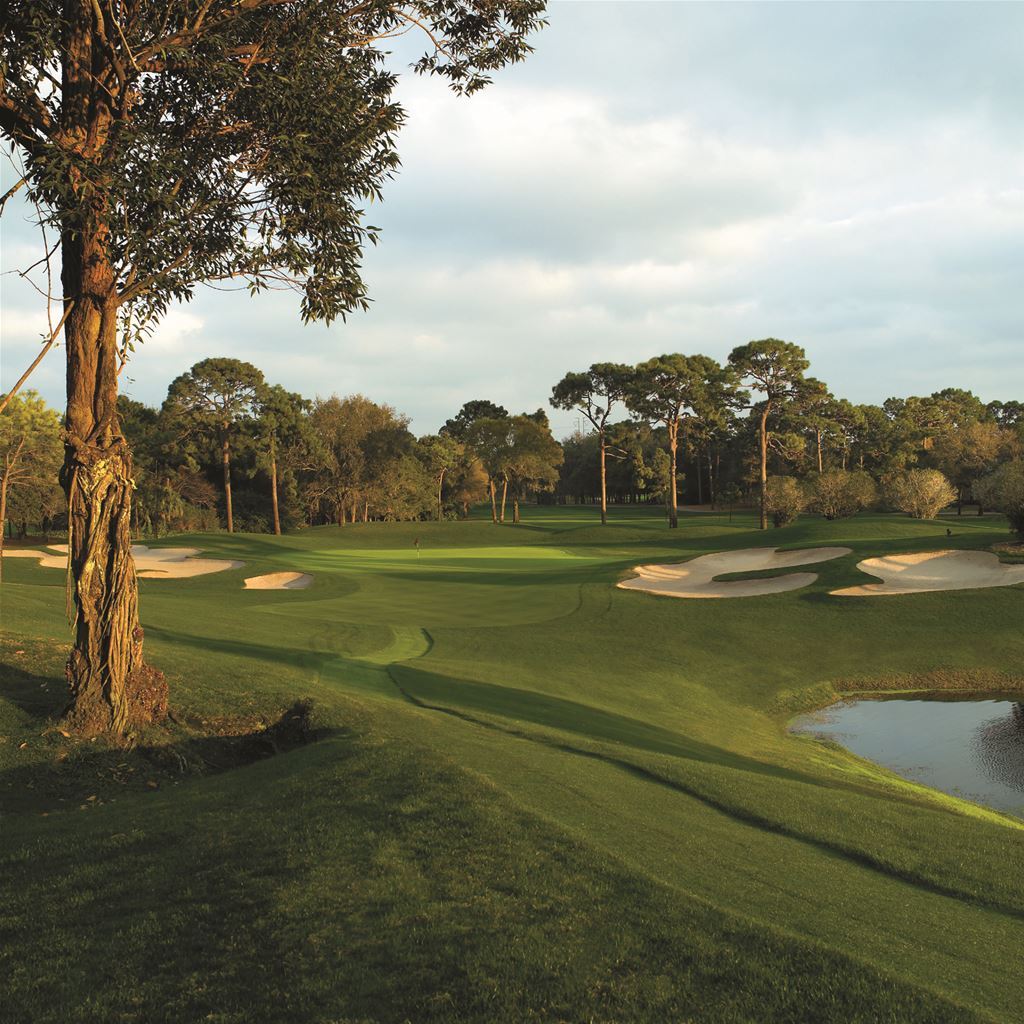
(39, 358)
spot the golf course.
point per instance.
(463, 775)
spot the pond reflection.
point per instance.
(971, 748)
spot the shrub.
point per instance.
(921, 493)
(839, 493)
(785, 499)
(1003, 490)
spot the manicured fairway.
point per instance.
(535, 796)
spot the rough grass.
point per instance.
(534, 797)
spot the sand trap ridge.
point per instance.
(151, 563)
(696, 578)
(926, 571)
(279, 581)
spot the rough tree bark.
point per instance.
(604, 480)
(111, 687)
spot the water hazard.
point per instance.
(971, 748)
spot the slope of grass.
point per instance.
(539, 797)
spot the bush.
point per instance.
(785, 499)
(1003, 490)
(839, 493)
(921, 493)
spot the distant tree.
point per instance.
(814, 408)
(731, 495)
(594, 393)
(840, 493)
(490, 438)
(31, 453)
(774, 369)
(441, 454)
(214, 397)
(667, 390)
(467, 482)
(967, 451)
(282, 427)
(1003, 490)
(531, 460)
(361, 444)
(785, 499)
(479, 409)
(921, 493)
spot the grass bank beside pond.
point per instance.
(517, 793)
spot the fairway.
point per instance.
(534, 795)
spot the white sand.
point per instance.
(934, 570)
(696, 578)
(151, 563)
(279, 581)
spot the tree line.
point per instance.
(227, 449)
(759, 422)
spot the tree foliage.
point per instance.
(1003, 490)
(921, 493)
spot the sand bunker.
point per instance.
(279, 581)
(934, 570)
(151, 563)
(696, 578)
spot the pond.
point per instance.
(973, 749)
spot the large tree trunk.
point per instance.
(494, 503)
(817, 437)
(273, 488)
(504, 495)
(700, 479)
(604, 483)
(225, 454)
(440, 491)
(111, 688)
(515, 510)
(764, 465)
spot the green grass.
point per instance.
(538, 797)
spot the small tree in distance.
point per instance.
(785, 499)
(213, 397)
(838, 493)
(921, 493)
(594, 393)
(1003, 490)
(775, 369)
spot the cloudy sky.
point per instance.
(667, 177)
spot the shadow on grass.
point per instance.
(434, 691)
(40, 696)
(62, 772)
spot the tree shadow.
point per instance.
(65, 773)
